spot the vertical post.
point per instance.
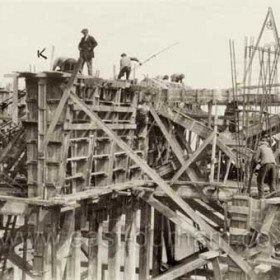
(114, 72)
(52, 57)
(75, 259)
(210, 105)
(145, 246)
(15, 100)
(213, 156)
(115, 241)
(130, 242)
(94, 242)
(157, 252)
(42, 127)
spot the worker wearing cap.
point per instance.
(125, 65)
(265, 155)
(86, 47)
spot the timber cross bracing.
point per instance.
(85, 164)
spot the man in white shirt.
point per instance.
(125, 65)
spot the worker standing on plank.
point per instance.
(125, 65)
(267, 172)
(86, 48)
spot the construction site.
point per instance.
(109, 179)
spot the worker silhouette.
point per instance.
(267, 172)
(125, 65)
(86, 48)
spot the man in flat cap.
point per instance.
(86, 47)
(125, 65)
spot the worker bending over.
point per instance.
(125, 65)
(64, 64)
(177, 77)
(86, 47)
(265, 156)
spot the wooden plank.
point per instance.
(114, 253)
(130, 242)
(156, 178)
(216, 269)
(75, 259)
(15, 100)
(157, 243)
(21, 264)
(187, 265)
(192, 158)
(269, 218)
(145, 243)
(94, 242)
(93, 126)
(65, 240)
(209, 255)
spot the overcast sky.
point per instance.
(139, 28)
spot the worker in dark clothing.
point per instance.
(231, 116)
(125, 65)
(265, 156)
(177, 77)
(86, 48)
(64, 64)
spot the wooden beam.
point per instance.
(21, 264)
(173, 144)
(145, 246)
(114, 253)
(159, 181)
(192, 158)
(216, 269)
(197, 127)
(15, 100)
(65, 239)
(157, 243)
(130, 242)
(186, 266)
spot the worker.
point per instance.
(125, 65)
(265, 156)
(86, 48)
(65, 64)
(177, 77)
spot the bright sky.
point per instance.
(139, 28)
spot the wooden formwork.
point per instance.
(113, 178)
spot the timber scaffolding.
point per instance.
(105, 179)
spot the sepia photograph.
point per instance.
(140, 140)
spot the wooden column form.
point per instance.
(130, 239)
(95, 245)
(145, 242)
(157, 243)
(114, 250)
